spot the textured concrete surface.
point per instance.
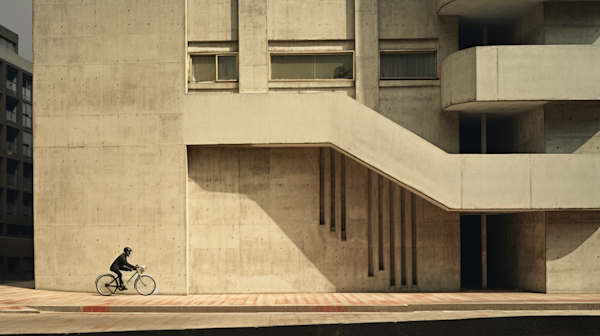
(317, 118)
(254, 226)
(488, 78)
(517, 251)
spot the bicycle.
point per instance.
(106, 284)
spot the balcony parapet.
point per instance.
(518, 78)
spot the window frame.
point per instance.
(216, 55)
(308, 53)
(414, 51)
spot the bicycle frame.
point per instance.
(132, 276)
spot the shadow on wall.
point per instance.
(573, 235)
(254, 217)
(258, 224)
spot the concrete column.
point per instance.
(253, 46)
(484, 251)
(483, 133)
(366, 26)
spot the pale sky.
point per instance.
(16, 15)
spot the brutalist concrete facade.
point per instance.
(248, 146)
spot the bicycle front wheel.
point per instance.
(106, 284)
(145, 285)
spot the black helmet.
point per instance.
(127, 249)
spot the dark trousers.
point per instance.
(119, 275)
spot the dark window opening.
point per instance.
(305, 67)
(408, 65)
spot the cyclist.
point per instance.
(121, 264)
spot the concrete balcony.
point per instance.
(518, 78)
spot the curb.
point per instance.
(406, 308)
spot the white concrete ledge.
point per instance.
(455, 182)
(518, 78)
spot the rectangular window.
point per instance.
(27, 87)
(408, 65)
(213, 68)
(305, 67)
(27, 144)
(7, 44)
(27, 114)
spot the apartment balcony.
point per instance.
(12, 148)
(11, 117)
(11, 87)
(27, 183)
(11, 180)
(518, 78)
(11, 209)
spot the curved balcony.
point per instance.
(517, 78)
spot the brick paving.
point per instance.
(14, 296)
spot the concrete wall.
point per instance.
(259, 223)
(521, 133)
(572, 23)
(210, 20)
(110, 164)
(572, 128)
(311, 20)
(516, 251)
(530, 28)
(572, 252)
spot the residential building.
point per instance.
(260, 146)
(16, 157)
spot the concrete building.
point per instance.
(16, 161)
(261, 146)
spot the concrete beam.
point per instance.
(454, 182)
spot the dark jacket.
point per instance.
(120, 262)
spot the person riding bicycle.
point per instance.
(121, 264)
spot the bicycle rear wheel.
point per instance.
(145, 285)
(106, 284)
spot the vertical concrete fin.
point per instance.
(322, 186)
(343, 196)
(333, 180)
(414, 239)
(408, 237)
(392, 234)
(370, 221)
(380, 219)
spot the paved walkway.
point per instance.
(21, 298)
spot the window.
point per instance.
(7, 44)
(11, 79)
(27, 144)
(213, 68)
(27, 114)
(306, 67)
(408, 65)
(27, 87)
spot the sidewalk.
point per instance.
(13, 299)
